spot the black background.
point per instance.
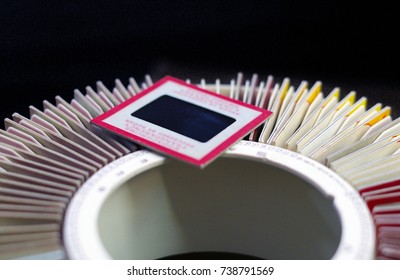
(51, 48)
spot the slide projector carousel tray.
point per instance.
(319, 180)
